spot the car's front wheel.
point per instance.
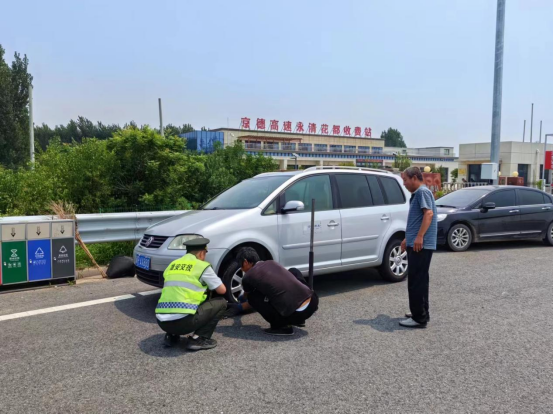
(459, 238)
(549, 235)
(232, 278)
(394, 263)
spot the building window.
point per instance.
(349, 149)
(334, 148)
(378, 150)
(446, 151)
(321, 148)
(305, 147)
(289, 146)
(270, 146)
(364, 149)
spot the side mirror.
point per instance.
(487, 206)
(293, 206)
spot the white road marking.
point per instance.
(143, 293)
(66, 307)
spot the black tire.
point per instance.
(387, 270)
(549, 235)
(229, 279)
(459, 238)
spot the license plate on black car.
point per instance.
(143, 262)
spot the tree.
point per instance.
(454, 175)
(402, 162)
(14, 114)
(393, 138)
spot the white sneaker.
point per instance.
(411, 324)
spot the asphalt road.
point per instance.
(487, 349)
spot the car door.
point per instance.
(535, 213)
(295, 227)
(363, 223)
(503, 222)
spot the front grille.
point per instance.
(152, 242)
(150, 277)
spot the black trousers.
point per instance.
(417, 281)
(257, 300)
(202, 323)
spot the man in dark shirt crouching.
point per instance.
(282, 297)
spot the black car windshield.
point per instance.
(247, 194)
(461, 198)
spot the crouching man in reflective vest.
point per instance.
(183, 307)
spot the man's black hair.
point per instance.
(247, 254)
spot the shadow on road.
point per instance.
(154, 346)
(140, 308)
(252, 332)
(332, 284)
(383, 323)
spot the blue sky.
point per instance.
(424, 67)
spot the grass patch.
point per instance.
(103, 252)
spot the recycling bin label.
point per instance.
(63, 258)
(39, 259)
(14, 262)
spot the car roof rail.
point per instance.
(347, 168)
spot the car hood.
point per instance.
(195, 221)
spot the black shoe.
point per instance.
(409, 315)
(233, 310)
(171, 339)
(201, 343)
(300, 324)
(281, 331)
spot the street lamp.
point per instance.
(295, 156)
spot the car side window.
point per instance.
(315, 187)
(272, 208)
(354, 191)
(376, 191)
(504, 198)
(529, 197)
(393, 191)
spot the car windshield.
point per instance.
(247, 194)
(461, 198)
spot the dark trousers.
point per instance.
(257, 300)
(202, 323)
(417, 281)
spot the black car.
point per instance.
(494, 213)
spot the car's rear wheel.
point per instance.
(459, 238)
(232, 278)
(394, 264)
(549, 235)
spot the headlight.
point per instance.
(441, 216)
(180, 241)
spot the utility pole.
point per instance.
(544, 161)
(531, 122)
(31, 127)
(160, 118)
(497, 84)
(524, 132)
(540, 130)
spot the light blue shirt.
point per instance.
(422, 199)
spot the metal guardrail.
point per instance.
(107, 227)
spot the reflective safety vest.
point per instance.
(182, 291)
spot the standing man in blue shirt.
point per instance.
(420, 243)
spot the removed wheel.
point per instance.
(459, 238)
(394, 263)
(549, 235)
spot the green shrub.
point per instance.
(103, 253)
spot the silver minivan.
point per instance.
(360, 221)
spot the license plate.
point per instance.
(143, 262)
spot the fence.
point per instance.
(449, 187)
(106, 227)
